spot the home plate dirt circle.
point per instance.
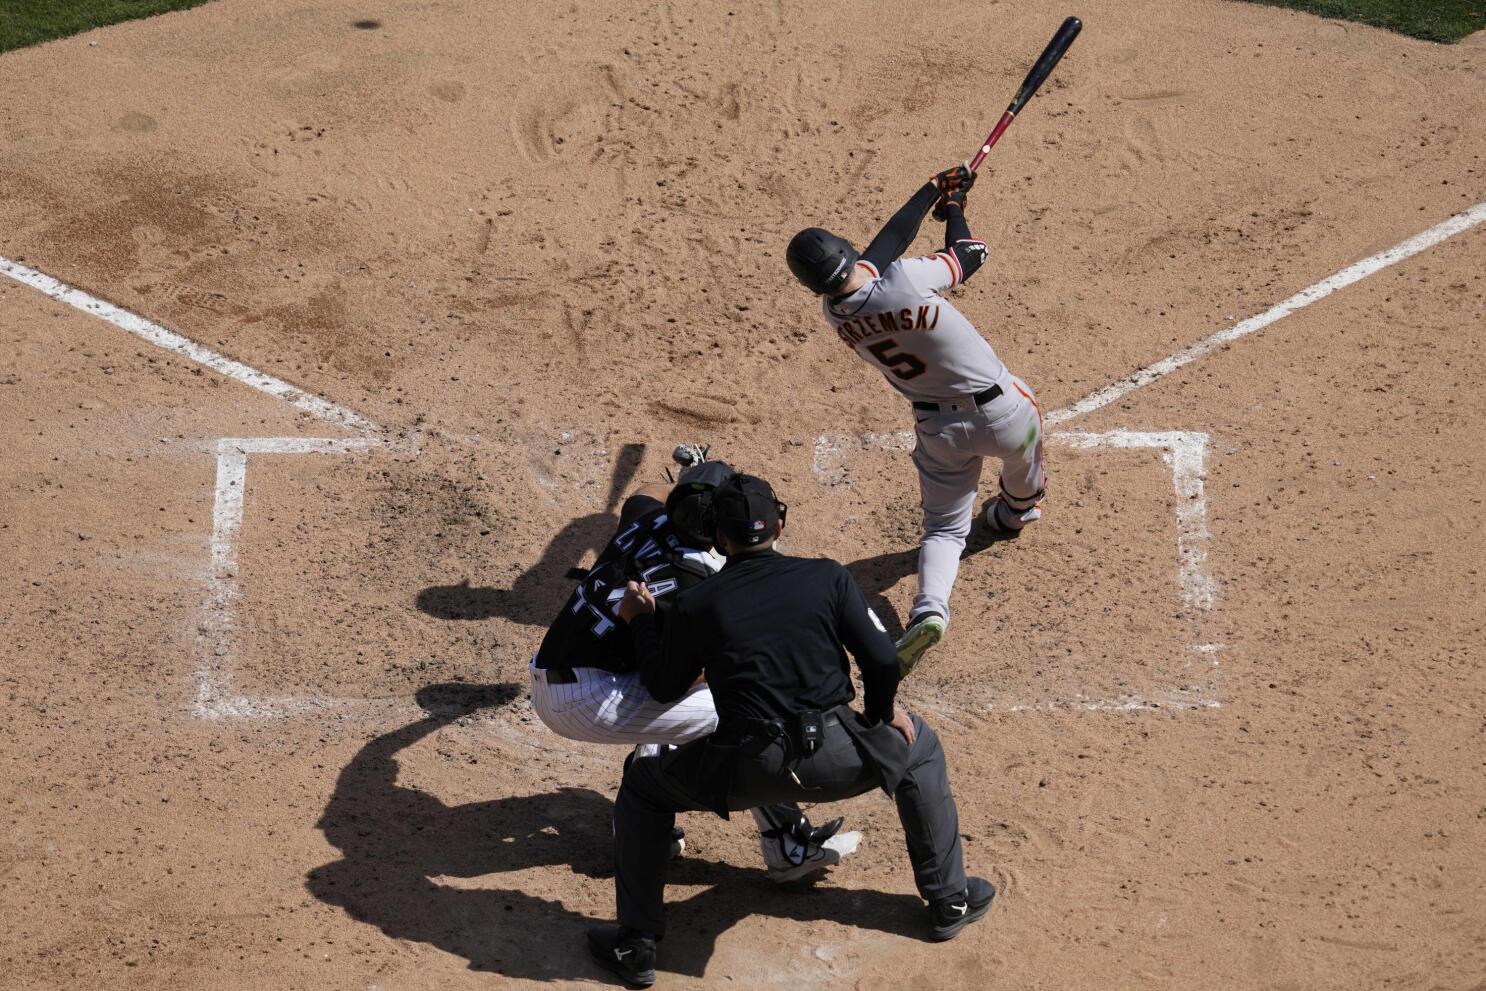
(336, 332)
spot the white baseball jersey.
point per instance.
(925, 347)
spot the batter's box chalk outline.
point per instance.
(1184, 452)
(214, 697)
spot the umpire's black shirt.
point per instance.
(769, 632)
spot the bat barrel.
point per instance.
(1038, 74)
(1047, 61)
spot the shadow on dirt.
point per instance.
(878, 574)
(983, 538)
(400, 846)
(539, 592)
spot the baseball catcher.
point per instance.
(966, 405)
(585, 683)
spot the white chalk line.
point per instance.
(232, 467)
(320, 409)
(1185, 452)
(1352, 273)
(214, 696)
(1190, 698)
(1177, 700)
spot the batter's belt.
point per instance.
(959, 405)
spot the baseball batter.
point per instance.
(585, 683)
(966, 405)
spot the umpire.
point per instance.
(771, 634)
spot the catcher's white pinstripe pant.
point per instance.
(603, 707)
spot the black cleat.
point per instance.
(1007, 523)
(817, 835)
(624, 952)
(949, 915)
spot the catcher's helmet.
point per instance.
(820, 260)
(689, 504)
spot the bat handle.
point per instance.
(991, 139)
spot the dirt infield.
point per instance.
(1216, 722)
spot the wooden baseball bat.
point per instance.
(1041, 69)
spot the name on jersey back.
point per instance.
(888, 322)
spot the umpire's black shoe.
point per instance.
(950, 915)
(817, 835)
(625, 952)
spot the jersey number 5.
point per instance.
(902, 364)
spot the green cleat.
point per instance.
(923, 632)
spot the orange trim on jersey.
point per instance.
(949, 260)
(959, 269)
(871, 268)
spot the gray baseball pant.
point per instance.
(948, 453)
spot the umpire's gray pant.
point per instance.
(655, 790)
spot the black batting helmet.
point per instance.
(821, 260)
(689, 504)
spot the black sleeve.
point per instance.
(668, 664)
(970, 253)
(873, 649)
(636, 506)
(899, 232)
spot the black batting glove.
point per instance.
(958, 177)
(953, 197)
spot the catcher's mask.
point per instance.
(820, 260)
(689, 504)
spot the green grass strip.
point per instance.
(1432, 20)
(29, 22)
